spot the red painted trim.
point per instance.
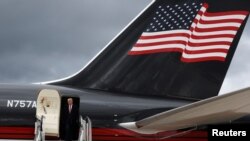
(16, 136)
(17, 130)
(108, 134)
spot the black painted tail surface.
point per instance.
(175, 48)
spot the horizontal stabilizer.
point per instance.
(218, 109)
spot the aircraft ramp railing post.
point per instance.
(85, 131)
(39, 132)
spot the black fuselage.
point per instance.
(18, 105)
(106, 111)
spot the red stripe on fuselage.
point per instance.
(108, 134)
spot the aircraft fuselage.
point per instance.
(106, 110)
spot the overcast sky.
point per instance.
(51, 39)
(44, 40)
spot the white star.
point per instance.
(159, 6)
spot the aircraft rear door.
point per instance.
(65, 119)
(49, 106)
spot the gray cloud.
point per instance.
(238, 75)
(46, 40)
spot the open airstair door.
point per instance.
(49, 107)
(52, 115)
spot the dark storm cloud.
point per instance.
(46, 40)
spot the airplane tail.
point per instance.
(174, 48)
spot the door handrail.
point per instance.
(39, 132)
(85, 131)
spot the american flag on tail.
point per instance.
(189, 29)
